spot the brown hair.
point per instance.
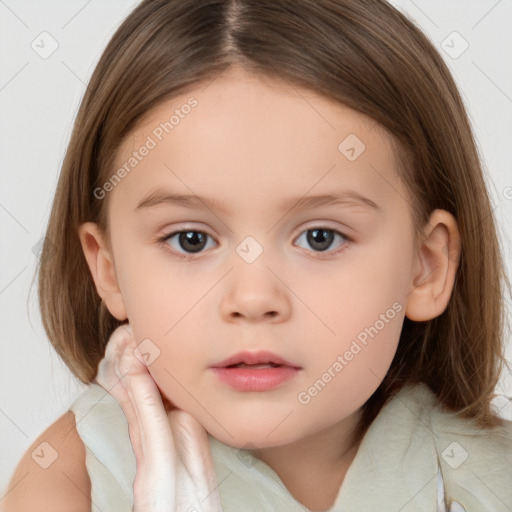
(362, 53)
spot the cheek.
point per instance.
(181, 366)
(158, 295)
(344, 302)
(348, 371)
(163, 315)
(359, 316)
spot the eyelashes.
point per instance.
(190, 238)
(195, 242)
(323, 237)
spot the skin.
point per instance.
(252, 143)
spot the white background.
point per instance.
(38, 102)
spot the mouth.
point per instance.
(255, 360)
(255, 371)
(254, 366)
(255, 377)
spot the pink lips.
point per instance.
(260, 357)
(255, 379)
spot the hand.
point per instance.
(175, 471)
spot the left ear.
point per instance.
(436, 265)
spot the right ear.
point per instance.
(101, 264)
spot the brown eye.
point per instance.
(320, 239)
(188, 241)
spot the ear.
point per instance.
(435, 268)
(101, 265)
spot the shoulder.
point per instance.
(481, 443)
(448, 426)
(476, 462)
(418, 407)
(51, 475)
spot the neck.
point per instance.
(314, 467)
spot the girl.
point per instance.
(277, 267)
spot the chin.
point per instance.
(247, 440)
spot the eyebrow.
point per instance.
(344, 198)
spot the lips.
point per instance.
(254, 366)
(259, 372)
(262, 358)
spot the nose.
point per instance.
(255, 293)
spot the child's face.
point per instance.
(252, 146)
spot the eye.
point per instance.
(191, 241)
(321, 238)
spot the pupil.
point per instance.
(191, 241)
(194, 241)
(322, 237)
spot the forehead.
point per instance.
(264, 136)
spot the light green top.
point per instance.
(411, 449)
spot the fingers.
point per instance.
(196, 478)
(126, 378)
(112, 370)
(119, 340)
(156, 435)
(155, 481)
(175, 468)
